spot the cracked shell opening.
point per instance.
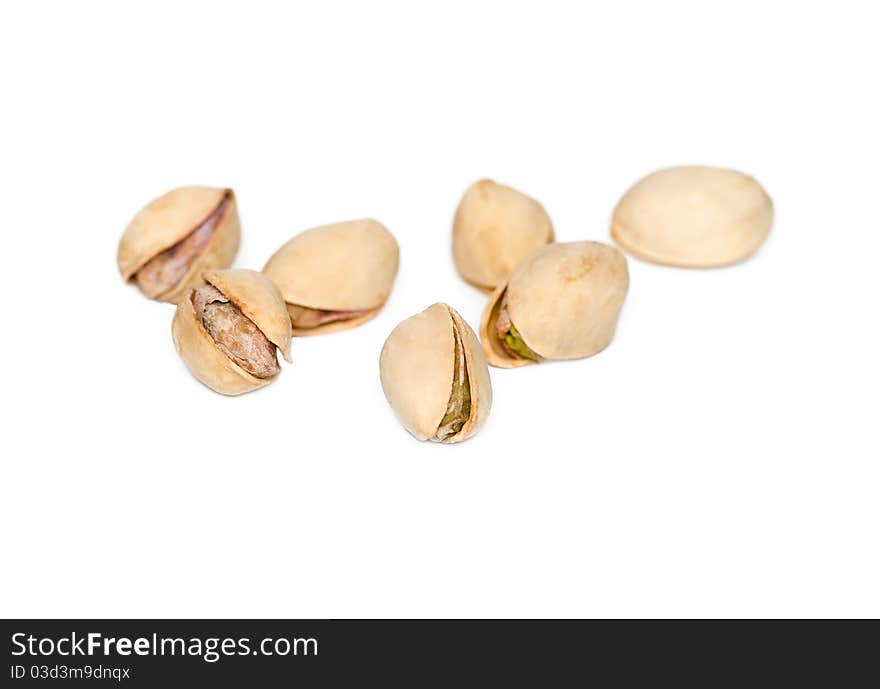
(236, 335)
(305, 318)
(505, 339)
(458, 410)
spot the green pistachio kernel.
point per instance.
(516, 344)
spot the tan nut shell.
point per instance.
(693, 216)
(495, 228)
(564, 301)
(166, 220)
(258, 299)
(416, 368)
(348, 266)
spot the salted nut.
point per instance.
(694, 217)
(226, 331)
(335, 277)
(562, 303)
(435, 376)
(176, 237)
(495, 228)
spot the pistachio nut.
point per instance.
(495, 228)
(693, 216)
(227, 329)
(176, 237)
(435, 376)
(562, 303)
(335, 277)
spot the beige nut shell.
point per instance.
(693, 217)
(564, 301)
(167, 220)
(258, 299)
(347, 266)
(495, 228)
(416, 368)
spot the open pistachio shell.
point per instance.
(176, 237)
(339, 275)
(435, 376)
(693, 216)
(562, 303)
(256, 304)
(495, 228)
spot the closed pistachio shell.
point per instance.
(693, 216)
(176, 237)
(347, 268)
(421, 379)
(258, 312)
(563, 302)
(495, 228)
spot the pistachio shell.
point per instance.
(693, 216)
(348, 266)
(258, 299)
(495, 228)
(417, 368)
(564, 301)
(169, 219)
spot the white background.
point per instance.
(719, 459)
